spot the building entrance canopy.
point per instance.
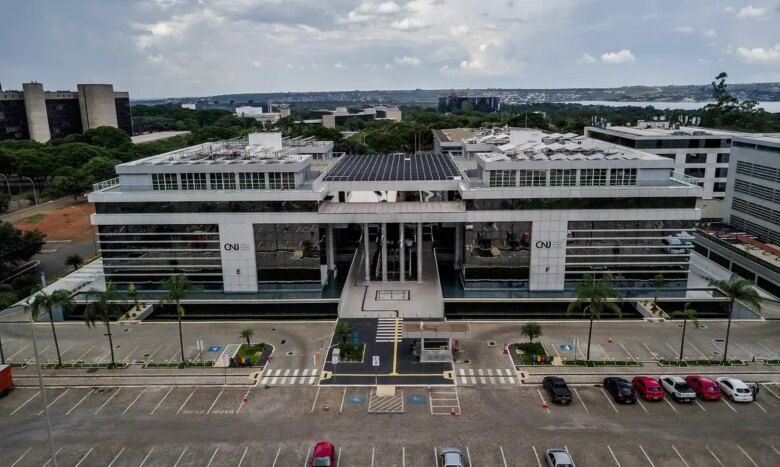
(436, 330)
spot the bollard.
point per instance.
(246, 399)
(545, 405)
(452, 412)
(609, 340)
(506, 349)
(327, 408)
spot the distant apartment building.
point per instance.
(337, 117)
(258, 114)
(41, 115)
(455, 103)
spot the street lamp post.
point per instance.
(7, 183)
(590, 332)
(35, 195)
(41, 388)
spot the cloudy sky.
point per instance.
(161, 48)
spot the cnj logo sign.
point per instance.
(547, 244)
(235, 246)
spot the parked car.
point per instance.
(557, 457)
(735, 389)
(557, 389)
(451, 457)
(621, 390)
(704, 387)
(324, 455)
(648, 388)
(6, 380)
(677, 388)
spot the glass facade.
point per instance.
(146, 255)
(183, 207)
(578, 203)
(64, 117)
(497, 251)
(289, 252)
(13, 119)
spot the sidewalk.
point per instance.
(136, 376)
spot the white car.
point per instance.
(735, 389)
(557, 457)
(678, 388)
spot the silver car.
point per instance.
(557, 457)
(451, 457)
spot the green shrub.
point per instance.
(351, 353)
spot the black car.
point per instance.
(557, 389)
(622, 391)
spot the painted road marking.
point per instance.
(212, 457)
(81, 357)
(627, 352)
(149, 359)
(641, 404)
(161, 401)
(697, 350)
(85, 456)
(180, 456)
(713, 455)
(468, 455)
(502, 456)
(655, 356)
(241, 461)
(277, 456)
(646, 456)
(316, 396)
(145, 458)
(136, 398)
(246, 397)
(18, 352)
(21, 457)
(670, 404)
(729, 404)
(771, 353)
(675, 354)
(613, 456)
(581, 400)
(544, 402)
(771, 391)
(699, 404)
(760, 406)
(746, 455)
(536, 456)
(215, 401)
(185, 402)
(24, 403)
(117, 456)
(127, 357)
(680, 456)
(29, 360)
(108, 400)
(55, 400)
(609, 400)
(56, 453)
(79, 402)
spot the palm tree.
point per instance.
(686, 314)
(737, 289)
(247, 334)
(101, 310)
(599, 295)
(43, 301)
(658, 283)
(7, 296)
(132, 292)
(531, 330)
(74, 260)
(179, 287)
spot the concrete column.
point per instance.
(384, 251)
(330, 251)
(366, 258)
(401, 248)
(419, 251)
(37, 115)
(458, 246)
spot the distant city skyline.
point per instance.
(174, 48)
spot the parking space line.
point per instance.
(468, 456)
(746, 455)
(136, 398)
(646, 456)
(670, 404)
(107, 401)
(699, 404)
(680, 456)
(655, 355)
(117, 456)
(127, 357)
(544, 402)
(713, 455)
(697, 350)
(747, 352)
(55, 400)
(161, 401)
(18, 352)
(277, 456)
(372, 455)
(85, 456)
(610, 357)
(338, 457)
(316, 396)
(240, 461)
(185, 402)
(641, 404)
(403, 456)
(675, 353)
(25, 403)
(79, 402)
(774, 449)
(771, 353)
(145, 458)
(81, 357)
(613, 456)
(181, 455)
(215, 401)
(581, 400)
(343, 397)
(760, 406)
(29, 360)
(56, 453)
(729, 404)
(536, 456)
(21, 457)
(627, 352)
(502, 456)
(608, 400)
(245, 398)
(212, 457)
(149, 359)
(771, 391)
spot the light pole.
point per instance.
(35, 195)
(41, 388)
(7, 183)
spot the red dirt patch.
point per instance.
(69, 223)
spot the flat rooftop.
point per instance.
(473, 135)
(760, 251)
(233, 152)
(393, 167)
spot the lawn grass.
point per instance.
(35, 218)
(253, 352)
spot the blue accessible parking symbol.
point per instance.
(356, 399)
(214, 348)
(416, 399)
(565, 347)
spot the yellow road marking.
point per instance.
(395, 348)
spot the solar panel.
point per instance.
(393, 167)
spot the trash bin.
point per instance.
(239, 361)
(533, 358)
(248, 361)
(232, 361)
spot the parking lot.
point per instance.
(494, 426)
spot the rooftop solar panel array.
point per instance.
(393, 167)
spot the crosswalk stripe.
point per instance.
(462, 372)
(273, 380)
(264, 381)
(295, 372)
(283, 381)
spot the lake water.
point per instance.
(685, 105)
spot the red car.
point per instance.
(324, 455)
(704, 387)
(648, 388)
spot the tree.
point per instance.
(74, 260)
(247, 334)
(178, 287)
(102, 310)
(344, 331)
(600, 296)
(532, 330)
(43, 301)
(737, 289)
(658, 283)
(685, 314)
(7, 296)
(106, 137)
(17, 246)
(132, 292)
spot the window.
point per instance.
(223, 181)
(193, 181)
(251, 180)
(723, 158)
(722, 172)
(563, 177)
(696, 173)
(719, 187)
(622, 177)
(698, 158)
(502, 178)
(164, 182)
(533, 177)
(281, 180)
(593, 177)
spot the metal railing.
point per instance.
(106, 184)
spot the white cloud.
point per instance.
(729, 9)
(388, 7)
(684, 29)
(459, 30)
(587, 58)
(623, 56)
(704, 61)
(407, 61)
(408, 24)
(338, 65)
(760, 55)
(257, 64)
(370, 11)
(751, 12)
(708, 33)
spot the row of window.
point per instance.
(759, 171)
(699, 172)
(562, 177)
(758, 147)
(224, 181)
(762, 282)
(667, 143)
(184, 207)
(578, 203)
(756, 210)
(757, 190)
